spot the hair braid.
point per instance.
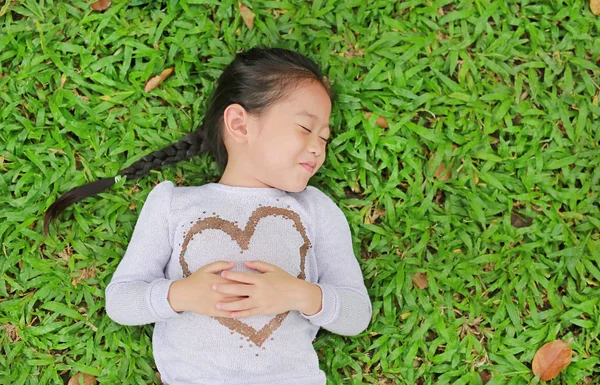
(190, 145)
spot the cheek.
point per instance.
(275, 152)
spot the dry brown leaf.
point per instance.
(83, 275)
(420, 280)
(372, 215)
(381, 121)
(486, 376)
(83, 97)
(155, 81)
(100, 5)
(519, 221)
(595, 7)
(550, 359)
(440, 172)
(278, 12)
(11, 331)
(247, 15)
(63, 80)
(88, 379)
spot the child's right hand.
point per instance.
(195, 292)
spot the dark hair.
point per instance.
(255, 79)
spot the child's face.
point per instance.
(281, 144)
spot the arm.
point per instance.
(138, 291)
(345, 306)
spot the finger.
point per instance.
(236, 289)
(245, 313)
(217, 266)
(243, 304)
(240, 276)
(260, 266)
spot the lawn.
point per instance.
(466, 157)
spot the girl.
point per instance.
(283, 249)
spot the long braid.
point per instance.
(190, 145)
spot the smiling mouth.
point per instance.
(307, 167)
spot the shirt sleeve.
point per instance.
(137, 293)
(346, 306)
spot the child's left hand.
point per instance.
(273, 292)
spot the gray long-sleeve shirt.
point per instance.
(181, 229)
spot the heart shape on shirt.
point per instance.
(242, 238)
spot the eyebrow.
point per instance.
(312, 116)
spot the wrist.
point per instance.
(174, 296)
(311, 302)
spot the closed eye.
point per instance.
(326, 140)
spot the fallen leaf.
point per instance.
(485, 376)
(88, 379)
(550, 359)
(381, 121)
(100, 5)
(595, 7)
(372, 215)
(420, 280)
(83, 275)
(82, 97)
(441, 172)
(247, 15)
(155, 81)
(519, 221)
(279, 12)
(63, 80)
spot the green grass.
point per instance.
(503, 95)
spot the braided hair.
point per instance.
(256, 79)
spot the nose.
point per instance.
(314, 146)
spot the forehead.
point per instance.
(309, 102)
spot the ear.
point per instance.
(235, 120)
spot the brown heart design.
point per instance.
(242, 237)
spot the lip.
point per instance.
(308, 167)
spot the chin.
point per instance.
(296, 188)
